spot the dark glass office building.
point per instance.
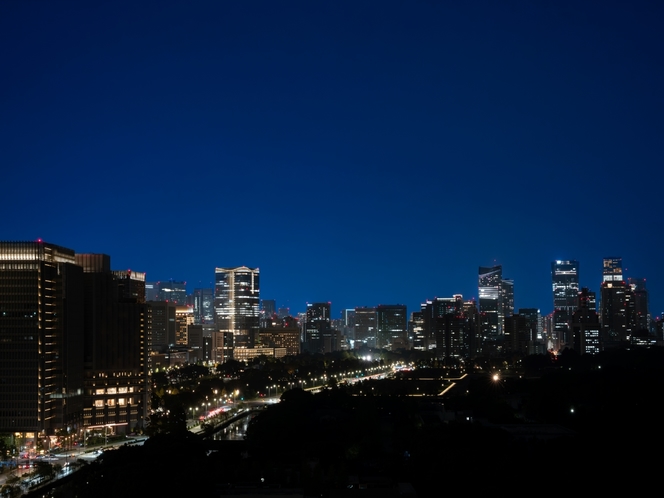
(41, 338)
(490, 287)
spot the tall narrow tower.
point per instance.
(237, 304)
(490, 286)
(617, 306)
(565, 280)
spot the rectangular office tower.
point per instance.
(237, 304)
(617, 306)
(392, 326)
(317, 327)
(116, 343)
(41, 338)
(490, 287)
(565, 284)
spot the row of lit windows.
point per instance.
(114, 390)
(101, 403)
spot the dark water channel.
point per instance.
(235, 430)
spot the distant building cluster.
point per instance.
(622, 319)
(80, 340)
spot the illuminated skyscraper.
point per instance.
(41, 338)
(416, 329)
(237, 304)
(612, 270)
(617, 306)
(490, 288)
(184, 318)
(365, 326)
(565, 280)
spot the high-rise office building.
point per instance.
(269, 307)
(184, 317)
(286, 336)
(617, 306)
(173, 292)
(116, 352)
(490, 288)
(268, 313)
(203, 306)
(612, 270)
(565, 284)
(283, 312)
(507, 297)
(536, 344)
(162, 326)
(42, 335)
(641, 304)
(452, 325)
(237, 304)
(348, 320)
(416, 331)
(152, 291)
(365, 327)
(392, 326)
(585, 324)
(317, 327)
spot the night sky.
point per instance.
(361, 153)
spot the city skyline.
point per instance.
(563, 273)
(357, 154)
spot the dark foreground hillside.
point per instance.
(573, 425)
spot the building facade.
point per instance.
(392, 326)
(117, 347)
(585, 325)
(317, 327)
(42, 335)
(490, 289)
(237, 304)
(365, 327)
(203, 306)
(565, 285)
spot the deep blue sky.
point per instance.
(357, 152)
